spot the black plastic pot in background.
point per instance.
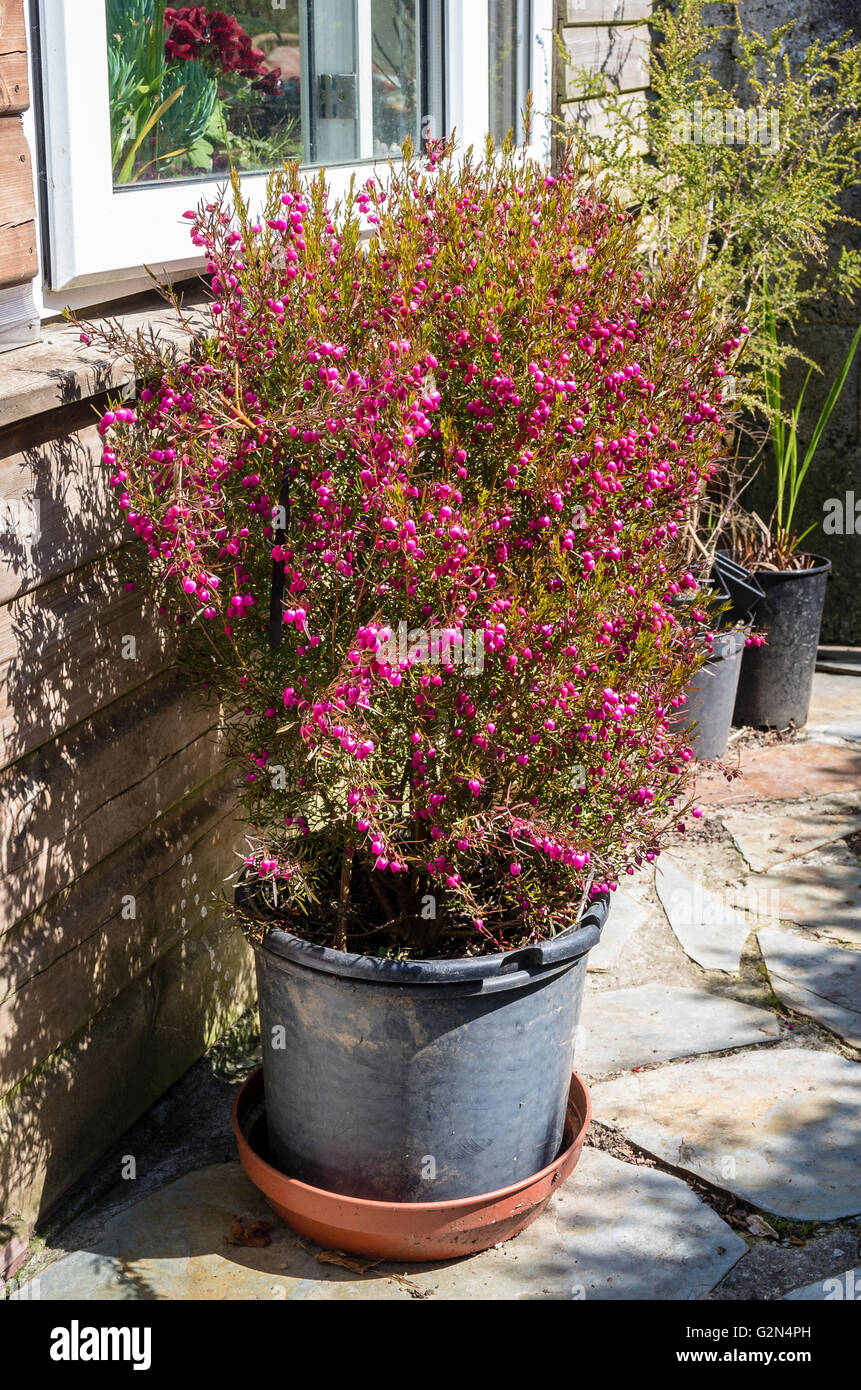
(419, 1081)
(710, 696)
(777, 678)
(742, 587)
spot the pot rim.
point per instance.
(508, 968)
(579, 1101)
(821, 564)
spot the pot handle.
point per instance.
(566, 946)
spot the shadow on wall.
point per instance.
(116, 822)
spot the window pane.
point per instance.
(194, 91)
(509, 65)
(397, 99)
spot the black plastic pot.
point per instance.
(419, 1081)
(743, 588)
(710, 696)
(776, 679)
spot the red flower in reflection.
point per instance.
(195, 33)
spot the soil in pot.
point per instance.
(776, 679)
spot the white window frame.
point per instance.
(100, 240)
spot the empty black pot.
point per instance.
(743, 588)
(419, 1081)
(776, 679)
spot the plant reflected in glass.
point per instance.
(195, 92)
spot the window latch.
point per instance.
(336, 96)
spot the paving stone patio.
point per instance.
(822, 891)
(836, 1287)
(778, 1126)
(721, 1035)
(626, 1028)
(769, 837)
(816, 978)
(708, 927)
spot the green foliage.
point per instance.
(138, 74)
(188, 124)
(753, 211)
(185, 117)
(790, 474)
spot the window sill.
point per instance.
(60, 371)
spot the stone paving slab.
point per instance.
(817, 979)
(631, 1232)
(771, 1268)
(835, 709)
(820, 891)
(770, 835)
(625, 916)
(777, 1126)
(708, 928)
(784, 772)
(836, 1288)
(624, 1028)
(616, 1230)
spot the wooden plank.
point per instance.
(19, 260)
(606, 11)
(17, 198)
(59, 370)
(620, 54)
(57, 508)
(14, 86)
(83, 948)
(68, 649)
(69, 805)
(597, 119)
(66, 1114)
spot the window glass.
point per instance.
(508, 37)
(397, 98)
(195, 90)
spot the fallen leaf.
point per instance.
(337, 1257)
(758, 1226)
(254, 1236)
(414, 1290)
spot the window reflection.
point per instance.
(194, 90)
(509, 65)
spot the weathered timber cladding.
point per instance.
(19, 254)
(117, 818)
(18, 239)
(64, 1115)
(14, 90)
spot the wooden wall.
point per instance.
(604, 36)
(116, 824)
(19, 263)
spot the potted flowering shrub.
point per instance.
(414, 505)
